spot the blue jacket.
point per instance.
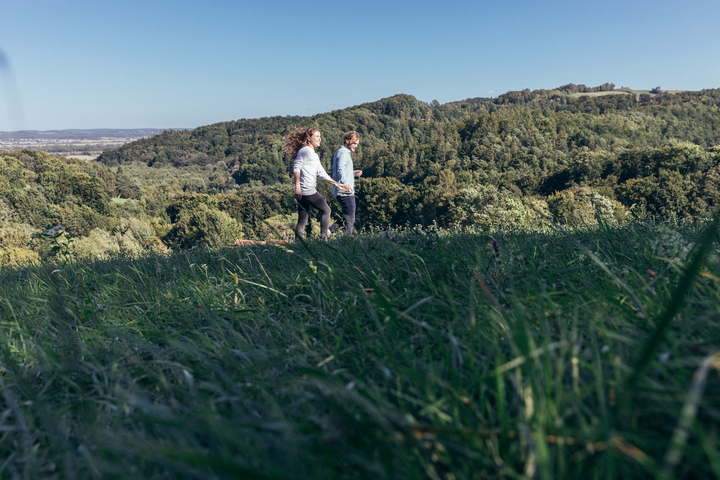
(342, 171)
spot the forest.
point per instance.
(568, 155)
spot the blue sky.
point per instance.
(181, 64)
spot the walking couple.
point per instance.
(307, 169)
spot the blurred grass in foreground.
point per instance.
(407, 354)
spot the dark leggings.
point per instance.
(347, 202)
(305, 209)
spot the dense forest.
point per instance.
(574, 154)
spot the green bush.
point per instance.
(79, 220)
(187, 203)
(205, 226)
(16, 256)
(282, 227)
(16, 236)
(98, 243)
(377, 200)
(140, 231)
(487, 207)
(6, 213)
(581, 206)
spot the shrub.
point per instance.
(282, 227)
(141, 232)
(488, 206)
(205, 226)
(16, 236)
(97, 243)
(79, 220)
(377, 199)
(15, 256)
(6, 213)
(580, 205)
(187, 203)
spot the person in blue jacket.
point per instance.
(344, 174)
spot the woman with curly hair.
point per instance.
(301, 146)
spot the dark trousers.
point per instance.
(305, 210)
(347, 202)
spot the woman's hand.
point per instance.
(298, 192)
(343, 187)
(357, 173)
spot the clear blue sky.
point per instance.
(182, 64)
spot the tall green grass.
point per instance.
(411, 354)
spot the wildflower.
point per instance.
(391, 237)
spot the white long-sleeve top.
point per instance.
(308, 164)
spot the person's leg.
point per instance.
(349, 214)
(308, 229)
(347, 202)
(303, 217)
(317, 201)
(339, 223)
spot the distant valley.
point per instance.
(84, 144)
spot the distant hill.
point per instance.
(400, 132)
(79, 134)
(84, 144)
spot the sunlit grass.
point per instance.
(433, 354)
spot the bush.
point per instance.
(15, 256)
(79, 220)
(205, 226)
(141, 232)
(6, 213)
(376, 199)
(99, 243)
(15, 236)
(282, 227)
(487, 207)
(16, 246)
(581, 206)
(187, 203)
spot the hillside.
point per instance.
(547, 127)
(494, 163)
(527, 142)
(430, 354)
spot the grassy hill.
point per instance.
(413, 353)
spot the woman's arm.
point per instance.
(298, 189)
(323, 175)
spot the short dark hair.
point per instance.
(351, 136)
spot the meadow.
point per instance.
(412, 353)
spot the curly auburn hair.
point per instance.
(297, 140)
